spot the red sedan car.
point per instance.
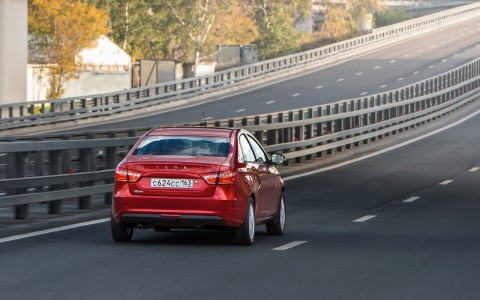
(195, 177)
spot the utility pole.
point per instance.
(13, 51)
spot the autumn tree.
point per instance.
(235, 25)
(276, 24)
(59, 30)
(339, 23)
(140, 27)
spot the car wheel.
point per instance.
(277, 225)
(120, 232)
(245, 234)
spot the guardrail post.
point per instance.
(54, 207)
(259, 134)
(87, 157)
(110, 163)
(309, 131)
(17, 169)
(272, 136)
(299, 134)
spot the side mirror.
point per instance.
(278, 159)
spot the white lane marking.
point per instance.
(411, 199)
(289, 246)
(363, 94)
(383, 86)
(270, 102)
(431, 67)
(446, 182)
(359, 73)
(319, 87)
(341, 79)
(416, 72)
(240, 110)
(377, 67)
(455, 55)
(401, 78)
(419, 138)
(363, 219)
(392, 61)
(208, 118)
(296, 95)
(47, 231)
(474, 169)
(445, 60)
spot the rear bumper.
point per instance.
(224, 209)
(181, 221)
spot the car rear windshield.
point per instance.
(184, 145)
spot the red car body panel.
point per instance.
(207, 202)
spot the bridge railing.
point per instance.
(53, 168)
(70, 109)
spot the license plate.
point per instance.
(171, 183)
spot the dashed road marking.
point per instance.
(296, 95)
(445, 60)
(363, 219)
(270, 102)
(319, 87)
(474, 169)
(431, 67)
(416, 72)
(363, 94)
(240, 110)
(383, 86)
(445, 182)
(401, 78)
(289, 245)
(341, 79)
(411, 199)
(377, 67)
(359, 73)
(392, 61)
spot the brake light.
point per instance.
(122, 174)
(224, 177)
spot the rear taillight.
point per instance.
(122, 174)
(223, 177)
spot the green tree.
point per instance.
(391, 16)
(276, 24)
(59, 30)
(339, 23)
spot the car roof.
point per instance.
(193, 131)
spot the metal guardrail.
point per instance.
(47, 170)
(25, 114)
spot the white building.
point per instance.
(104, 68)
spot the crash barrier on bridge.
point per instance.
(53, 168)
(69, 110)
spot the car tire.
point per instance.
(277, 225)
(120, 232)
(245, 234)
